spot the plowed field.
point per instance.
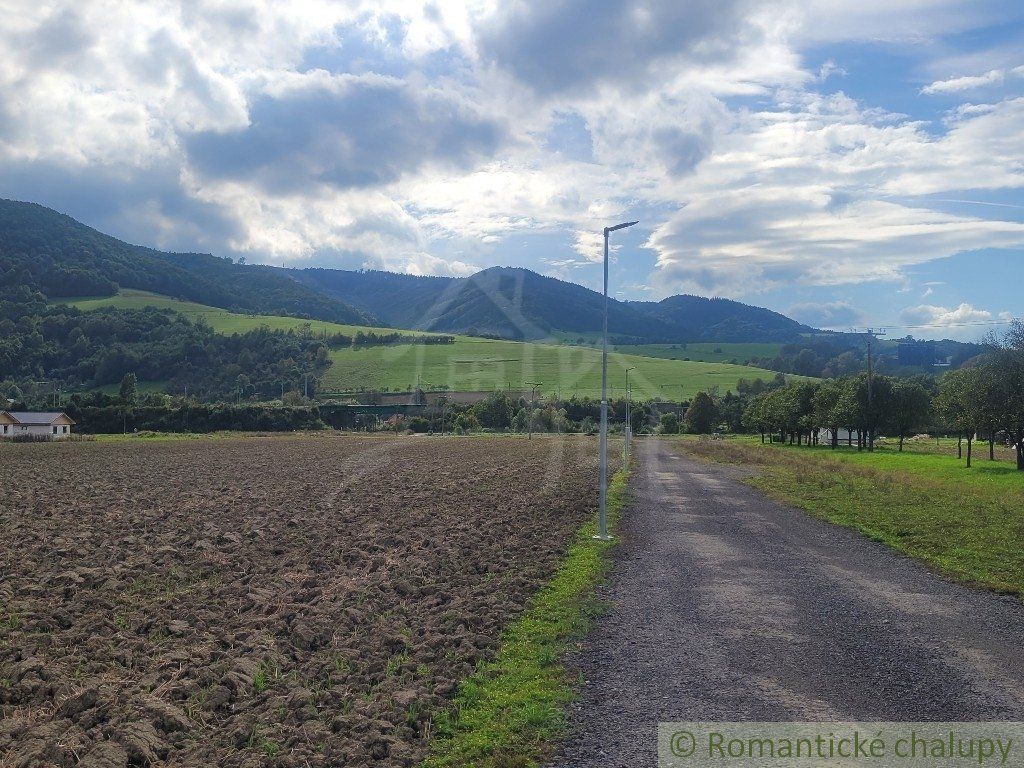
(286, 601)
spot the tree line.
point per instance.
(985, 398)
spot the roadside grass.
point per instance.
(967, 523)
(507, 713)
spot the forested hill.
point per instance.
(520, 304)
(47, 251)
(703, 319)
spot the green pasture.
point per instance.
(484, 364)
(704, 352)
(469, 363)
(221, 320)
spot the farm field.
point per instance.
(926, 504)
(469, 363)
(301, 601)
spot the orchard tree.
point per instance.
(960, 402)
(909, 409)
(1007, 369)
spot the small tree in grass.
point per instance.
(909, 408)
(960, 401)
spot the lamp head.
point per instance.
(621, 226)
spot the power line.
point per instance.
(946, 325)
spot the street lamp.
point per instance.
(629, 424)
(533, 404)
(602, 518)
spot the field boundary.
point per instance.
(510, 709)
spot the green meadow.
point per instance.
(484, 364)
(469, 363)
(705, 352)
(221, 320)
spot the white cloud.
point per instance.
(970, 82)
(830, 315)
(962, 322)
(414, 136)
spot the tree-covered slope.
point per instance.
(49, 252)
(501, 301)
(702, 319)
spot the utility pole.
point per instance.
(533, 404)
(871, 333)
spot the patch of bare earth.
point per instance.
(309, 601)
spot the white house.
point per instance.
(53, 425)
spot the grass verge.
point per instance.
(967, 523)
(507, 713)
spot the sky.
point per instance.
(850, 163)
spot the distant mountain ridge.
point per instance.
(60, 257)
(517, 303)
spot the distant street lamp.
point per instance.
(602, 518)
(629, 423)
(533, 404)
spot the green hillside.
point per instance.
(46, 251)
(221, 320)
(468, 364)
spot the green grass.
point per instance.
(221, 320)
(709, 352)
(510, 709)
(469, 363)
(485, 364)
(968, 523)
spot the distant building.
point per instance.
(917, 353)
(52, 425)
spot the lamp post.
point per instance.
(602, 518)
(533, 404)
(629, 423)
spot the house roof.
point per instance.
(45, 418)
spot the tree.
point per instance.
(702, 415)
(909, 408)
(669, 423)
(828, 407)
(496, 410)
(129, 388)
(959, 401)
(1007, 371)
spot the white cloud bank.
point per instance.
(422, 137)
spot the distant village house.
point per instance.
(52, 425)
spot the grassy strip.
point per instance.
(967, 523)
(508, 711)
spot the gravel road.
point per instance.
(725, 605)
